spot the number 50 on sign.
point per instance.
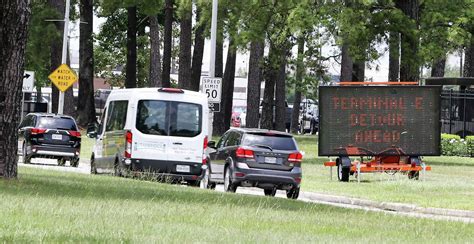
(212, 87)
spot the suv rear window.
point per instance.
(58, 123)
(157, 117)
(276, 142)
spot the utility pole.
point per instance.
(212, 64)
(63, 58)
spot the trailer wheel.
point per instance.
(414, 175)
(343, 172)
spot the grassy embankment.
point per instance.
(450, 184)
(51, 206)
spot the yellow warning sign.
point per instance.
(63, 77)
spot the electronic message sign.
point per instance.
(379, 120)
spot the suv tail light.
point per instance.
(244, 153)
(36, 131)
(295, 157)
(75, 133)
(128, 144)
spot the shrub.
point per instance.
(453, 145)
(470, 145)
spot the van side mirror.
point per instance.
(211, 144)
(92, 130)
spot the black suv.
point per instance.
(44, 135)
(256, 158)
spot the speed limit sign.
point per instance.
(212, 87)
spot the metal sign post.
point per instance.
(28, 85)
(63, 58)
(212, 68)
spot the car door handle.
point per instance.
(177, 143)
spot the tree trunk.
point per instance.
(254, 82)
(346, 64)
(131, 69)
(185, 39)
(14, 17)
(155, 57)
(271, 75)
(222, 119)
(409, 65)
(167, 43)
(437, 69)
(228, 84)
(198, 53)
(56, 48)
(295, 114)
(358, 71)
(394, 56)
(280, 96)
(469, 60)
(219, 64)
(85, 104)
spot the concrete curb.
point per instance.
(388, 206)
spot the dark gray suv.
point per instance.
(256, 158)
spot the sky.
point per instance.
(378, 70)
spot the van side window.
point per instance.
(152, 117)
(117, 116)
(185, 119)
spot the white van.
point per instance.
(159, 130)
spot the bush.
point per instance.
(470, 145)
(453, 145)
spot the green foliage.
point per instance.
(470, 145)
(40, 35)
(453, 145)
(110, 51)
(444, 27)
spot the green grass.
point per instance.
(450, 184)
(50, 206)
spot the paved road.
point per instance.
(339, 201)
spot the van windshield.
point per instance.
(171, 118)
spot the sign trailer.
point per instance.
(392, 126)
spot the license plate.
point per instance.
(270, 160)
(182, 168)
(57, 137)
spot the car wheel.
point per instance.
(205, 181)
(293, 193)
(343, 172)
(93, 166)
(228, 185)
(26, 158)
(74, 162)
(61, 162)
(414, 175)
(270, 192)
